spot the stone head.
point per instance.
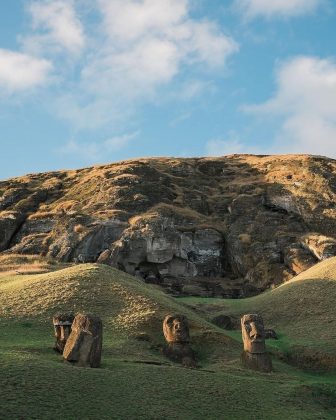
(253, 333)
(84, 346)
(62, 327)
(176, 329)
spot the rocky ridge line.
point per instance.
(229, 226)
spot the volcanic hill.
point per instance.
(213, 227)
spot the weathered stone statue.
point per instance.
(62, 326)
(176, 332)
(255, 355)
(84, 345)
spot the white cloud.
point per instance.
(143, 46)
(56, 27)
(119, 142)
(94, 151)
(87, 151)
(272, 8)
(122, 54)
(219, 147)
(128, 20)
(305, 100)
(20, 71)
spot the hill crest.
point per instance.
(229, 226)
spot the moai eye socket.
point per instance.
(170, 321)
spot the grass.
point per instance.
(136, 381)
(301, 311)
(13, 264)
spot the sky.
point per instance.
(86, 82)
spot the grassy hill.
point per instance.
(301, 311)
(135, 380)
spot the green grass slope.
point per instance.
(135, 380)
(302, 311)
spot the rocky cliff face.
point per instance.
(230, 226)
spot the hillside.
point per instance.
(226, 227)
(301, 311)
(135, 380)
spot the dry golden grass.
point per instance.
(17, 264)
(126, 304)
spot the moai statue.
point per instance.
(84, 346)
(62, 326)
(176, 332)
(255, 355)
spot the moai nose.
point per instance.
(254, 331)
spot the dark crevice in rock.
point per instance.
(227, 227)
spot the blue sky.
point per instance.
(84, 82)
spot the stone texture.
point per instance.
(253, 333)
(227, 227)
(9, 225)
(176, 333)
(254, 355)
(176, 329)
(62, 326)
(261, 362)
(84, 345)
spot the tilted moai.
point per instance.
(176, 332)
(62, 326)
(255, 355)
(84, 345)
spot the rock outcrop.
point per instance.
(227, 227)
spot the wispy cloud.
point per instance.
(19, 72)
(220, 147)
(95, 151)
(305, 102)
(275, 8)
(135, 49)
(56, 28)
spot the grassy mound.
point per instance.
(301, 311)
(135, 380)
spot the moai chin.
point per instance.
(62, 327)
(84, 345)
(176, 332)
(255, 355)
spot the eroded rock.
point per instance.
(162, 250)
(234, 225)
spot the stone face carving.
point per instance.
(62, 326)
(84, 345)
(176, 332)
(253, 333)
(254, 355)
(176, 329)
